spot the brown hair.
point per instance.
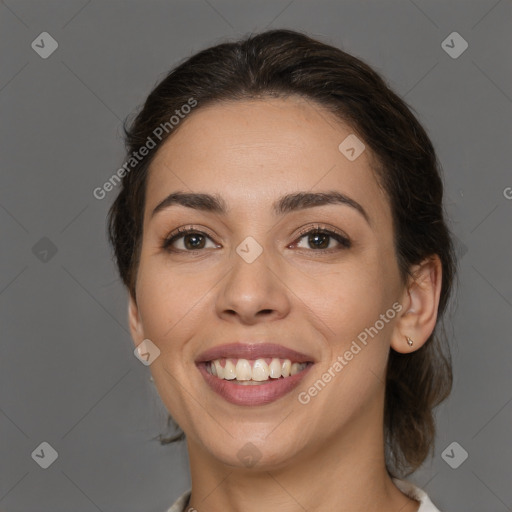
(282, 63)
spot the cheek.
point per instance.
(170, 305)
(348, 299)
(171, 311)
(350, 303)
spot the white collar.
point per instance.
(405, 486)
(415, 493)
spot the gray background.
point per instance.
(68, 375)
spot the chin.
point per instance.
(255, 453)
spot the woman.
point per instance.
(280, 230)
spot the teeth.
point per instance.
(243, 370)
(294, 369)
(218, 369)
(275, 368)
(285, 368)
(229, 370)
(260, 370)
(245, 373)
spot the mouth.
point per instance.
(253, 374)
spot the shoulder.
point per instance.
(406, 487)
(181, 503)
(416, 493)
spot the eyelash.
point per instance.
(343, 240)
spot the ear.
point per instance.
(135, 322)
(420, 302)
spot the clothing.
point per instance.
(408, 488)
(417, 494)
(180, 505)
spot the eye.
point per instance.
(193, 240)
(319, 239)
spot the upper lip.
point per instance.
(241, 350)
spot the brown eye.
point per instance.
(321, 239)
(192, 240)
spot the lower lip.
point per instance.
(257, 394)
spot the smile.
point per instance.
(253, 373)
(250, 372)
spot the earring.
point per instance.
(409, 341)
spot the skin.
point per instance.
(329, 453)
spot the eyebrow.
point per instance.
(285, 204)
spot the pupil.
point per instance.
(194, 244)
(315, 236)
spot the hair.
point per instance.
(281, 63)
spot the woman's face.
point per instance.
(251, 275)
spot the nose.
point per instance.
(253, 292)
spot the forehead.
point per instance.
(252, 151)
